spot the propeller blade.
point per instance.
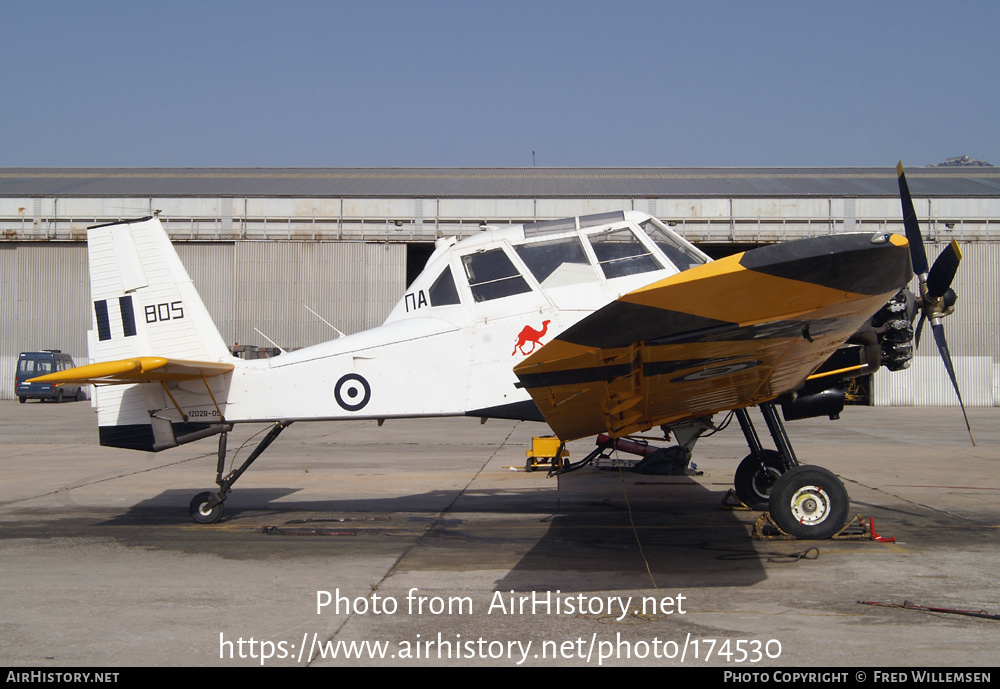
(942, 344)
(917, 254)
(943, 271)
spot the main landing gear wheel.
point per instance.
(201, 512)
(809, 503)
(756, 476)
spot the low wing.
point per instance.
(142, 369)
(725, 335)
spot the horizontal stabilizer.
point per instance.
(142, 369)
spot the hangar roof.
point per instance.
(496, 182)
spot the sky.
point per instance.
(441, 83)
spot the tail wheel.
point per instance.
(809, 503)
(756, 476)
(201, 512)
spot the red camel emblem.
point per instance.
(531, 335)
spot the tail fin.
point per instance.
(145, 305)
(144, 300)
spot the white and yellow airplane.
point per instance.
(608, 323)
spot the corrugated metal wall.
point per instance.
(44, 300)
(352, 285)
(212, 267)
(973, 333)
(45, 296)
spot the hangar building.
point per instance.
(283, 255)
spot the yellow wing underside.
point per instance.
(142, 369)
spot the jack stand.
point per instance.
(676, 459)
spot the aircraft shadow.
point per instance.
(597, 531)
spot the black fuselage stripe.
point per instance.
(621, 323)
(606, 374)
(575, 376)
(846, 262)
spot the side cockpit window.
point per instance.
(557, 263)
(492, 275)
(443, 292)
(620, 253)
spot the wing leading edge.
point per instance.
(141, 369)
(725, 335)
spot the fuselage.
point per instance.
(479, 307)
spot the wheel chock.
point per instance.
(731, 501)
(858, 529)
(764, 529)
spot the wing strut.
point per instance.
(180, 411)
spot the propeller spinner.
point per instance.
(936, 299)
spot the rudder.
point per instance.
(145, 304)
(143, 298)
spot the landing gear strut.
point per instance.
(807, 502)
(759, 470)
(206, 508)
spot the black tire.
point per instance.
(22, 400)
(809, 503)
(752, 484)
(529, 465)
(59, 396)
(199, 509)
(79, 395)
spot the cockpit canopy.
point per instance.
(594, 258)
